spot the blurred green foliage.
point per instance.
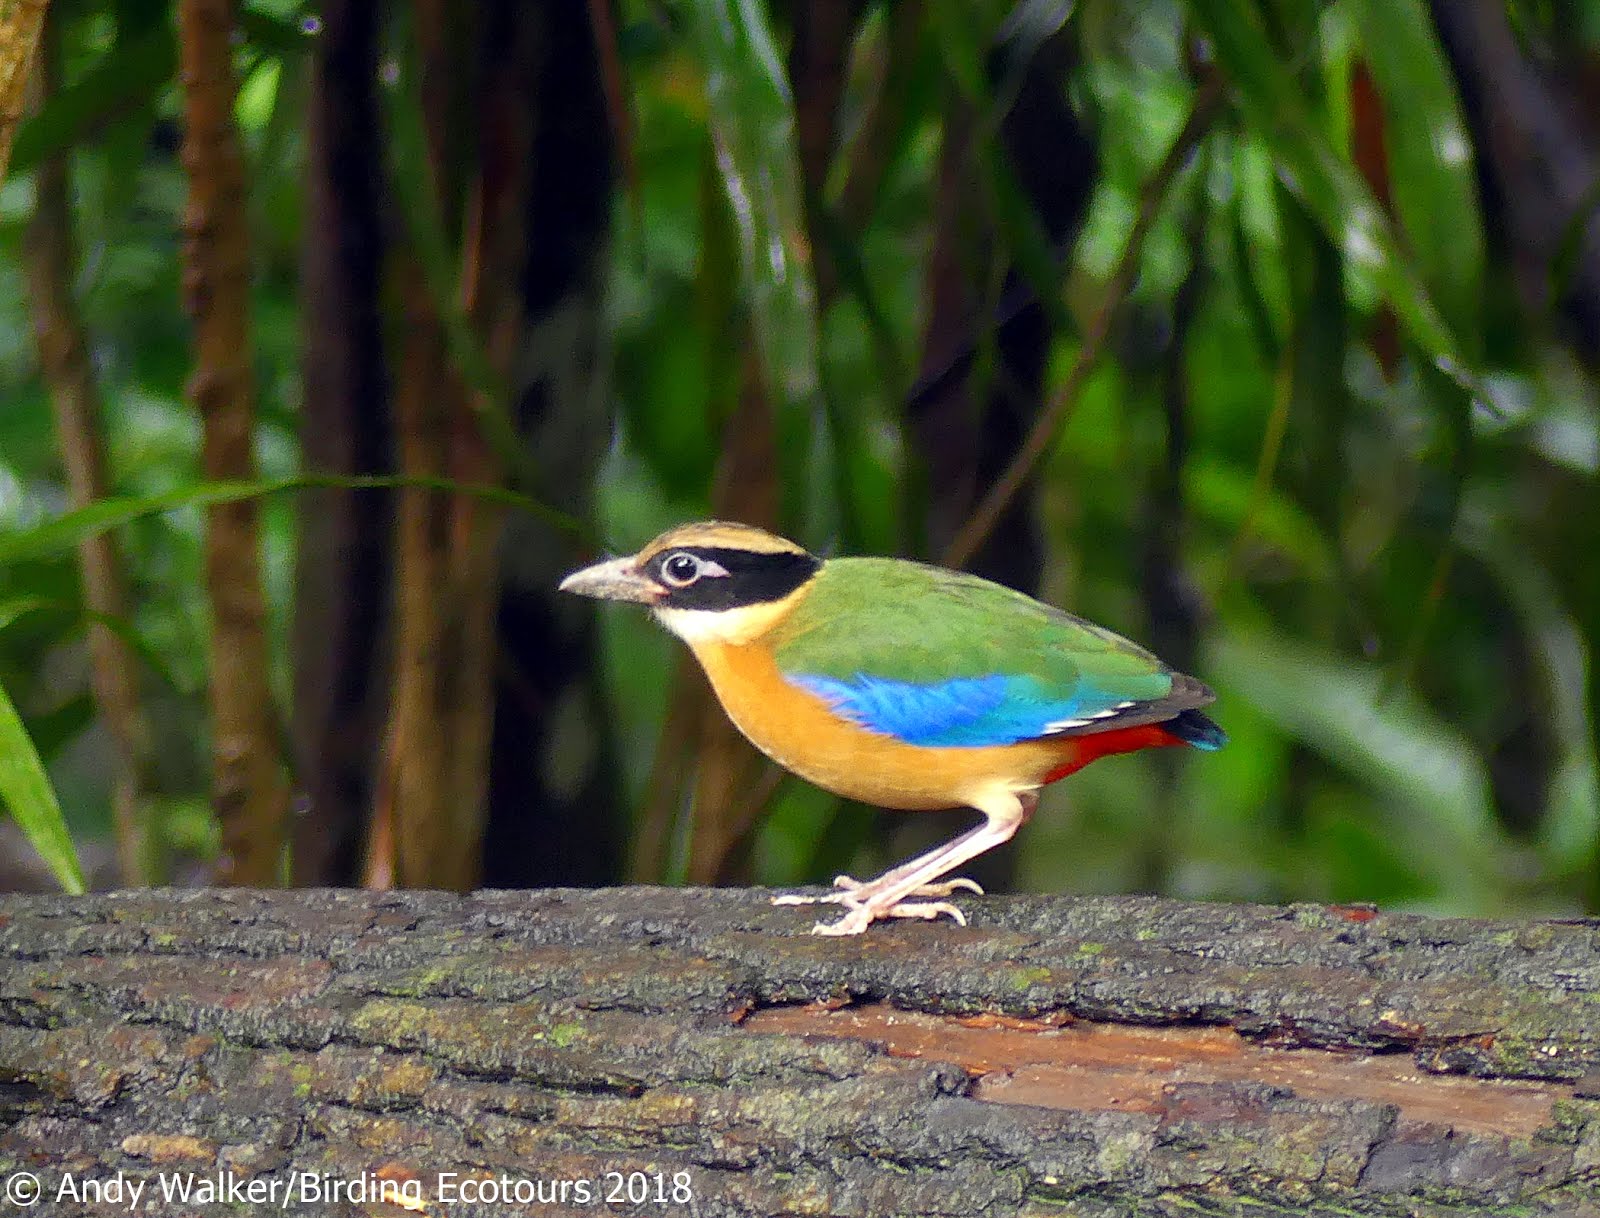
(1390, 539)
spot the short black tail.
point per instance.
(1192, 727)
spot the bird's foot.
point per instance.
(855, 893)
(864, 904)
(860, 917)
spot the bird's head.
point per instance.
(706, 582)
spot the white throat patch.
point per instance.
(727, 626)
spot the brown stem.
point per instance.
(652, 836)
(250, 790)
(433, 783)
(1266, 466)
(63, 345)
(1060, 408)
(432, 777)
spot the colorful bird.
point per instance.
(902, 685)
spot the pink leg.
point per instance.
(887, 896)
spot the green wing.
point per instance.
(940, 658)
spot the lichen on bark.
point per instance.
(1058, 1056)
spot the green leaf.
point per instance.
(1226, 496)
(25, 790)
(1256, 247)
(274, 34)
(1569, 250)
(752, 124)
(258, 95)
(1432, 787)
(123, 82)
(18, 607)
(1430, 156)
(1325, 182)
(127, 80)
(964, 39)
(1563, 659)
(66, 531)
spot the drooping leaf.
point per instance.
(124, 81)
(1325, 182)
(751, 115)
(1431, 163)
(1431, 785)
(65, 531)
(276, 34)
(1572, 824)
(26, 792)
(1228, 497)
(15, 608)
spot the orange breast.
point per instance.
(798, 731)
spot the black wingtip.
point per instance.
(1197, 729)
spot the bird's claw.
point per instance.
(948, 888)
(860, 917)
(862, 910)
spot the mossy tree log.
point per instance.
(1058, 1056)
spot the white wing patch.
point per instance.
(1066, 725)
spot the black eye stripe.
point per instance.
(753, 577)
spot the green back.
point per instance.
(894, 620)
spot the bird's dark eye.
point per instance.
(680, 569)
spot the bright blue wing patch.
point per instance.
(966, 712)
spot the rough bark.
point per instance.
(21, 24)
(250, 788)
(75, 402)
(1058, 1056)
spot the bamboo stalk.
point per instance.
(63, 344)
(430, 806)
(250, 789)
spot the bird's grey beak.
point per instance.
(615, 580)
